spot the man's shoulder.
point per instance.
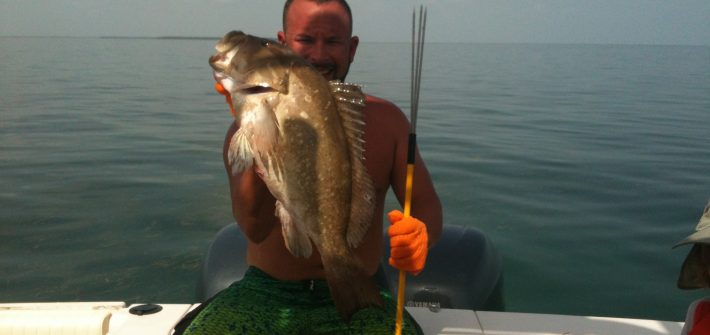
(382, 107)
(373, 101)
(384, 115)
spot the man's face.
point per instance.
(321, 34)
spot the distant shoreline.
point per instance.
(162, 37)
(126, 37)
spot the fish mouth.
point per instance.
(219, 61)
(215, 58)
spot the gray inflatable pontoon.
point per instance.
(463, 270)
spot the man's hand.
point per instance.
(408, 242)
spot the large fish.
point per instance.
(305, 136)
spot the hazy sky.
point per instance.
(553, 21)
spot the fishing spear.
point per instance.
(417, 53)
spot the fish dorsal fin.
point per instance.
(351, 102)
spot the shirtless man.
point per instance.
(284, 294)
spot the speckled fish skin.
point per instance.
(305, 136)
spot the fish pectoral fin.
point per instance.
(266, 133)
(272, 167)
(265, 127)
(240, 156)
(297, 241)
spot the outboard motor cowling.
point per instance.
(463, 270)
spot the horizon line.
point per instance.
(178, 37)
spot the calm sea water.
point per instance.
(583, 163)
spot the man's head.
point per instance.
(321, 32)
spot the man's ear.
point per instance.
(354, 41)
(281, 36)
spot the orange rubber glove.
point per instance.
(409, 243)
(221, 90)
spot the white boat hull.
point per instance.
(114, 318)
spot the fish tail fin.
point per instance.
(350, 286)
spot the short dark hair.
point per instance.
(343, 3)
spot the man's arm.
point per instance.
(426, 205)
(411, 237)
(250, 197)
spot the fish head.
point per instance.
(246, 65)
